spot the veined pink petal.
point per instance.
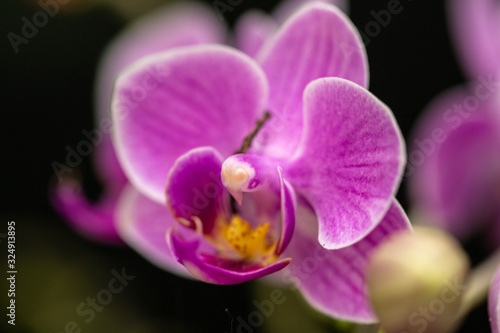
(174, 25)
(349, 162)
(255, 27)
(286, 8)
(476, 25)
(494, 304)
(166, 104)
(333, 281)
(454, 165)
(317, 41)
(143, 225)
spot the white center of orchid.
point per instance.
(235, 176)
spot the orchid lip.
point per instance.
(238, 240)
(214, 244)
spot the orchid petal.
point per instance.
(255, 27)
(93, 220)
(143, 225)
(454, 162)
(195, 190)
(210, 269)
(333, 281)
(494, 303)
(476, 24)
(286, 8)
(316, 41)
(287, 214)
(349, 162)
(173, 26)
(222, 92)
(252, 30)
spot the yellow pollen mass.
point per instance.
(246, 241)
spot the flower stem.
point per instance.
(247, 142)
(478, 285)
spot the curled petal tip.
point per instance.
(93, 220)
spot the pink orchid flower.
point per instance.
(325, 161)
(239, 166)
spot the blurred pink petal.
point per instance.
(476, 26)
(454, 165)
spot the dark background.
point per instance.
(46, 101)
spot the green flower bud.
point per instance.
(416, 281)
